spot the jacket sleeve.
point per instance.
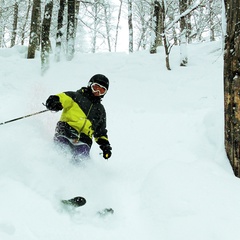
(100, 133)
(65, 100)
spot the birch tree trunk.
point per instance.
(34, 40)
(106, 18)
(45, 41)
(77, 7)
(59, 30)
(167, 46)
(71, 29)
(95, 26)
(156, 38)
(130, 26)
(183, 5)
(23, 29)
(211, 22)
(232, 84)
(1, 23)
(118, 23)
(15, 22)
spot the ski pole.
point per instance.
(15, 119)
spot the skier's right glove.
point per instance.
(53, 103)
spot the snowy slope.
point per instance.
(168, 177)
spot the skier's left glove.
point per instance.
(106, 151)
(105, 146)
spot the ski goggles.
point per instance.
(98, 88)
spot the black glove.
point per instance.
(106, 151)
(53, 103)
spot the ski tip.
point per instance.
(80, 201)
(75, 202)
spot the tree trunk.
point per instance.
(95, 26)
(174, 32)
(59, 30)
(1, 23)
(45, 41)
(34, 40)
(167, 51)
(106, 18)
(167, 46)
(189, 24)
(183, 5)
(130, 26)
(211, 22)
(118, 23)
(77, 7)
(156, 38)
(15, 22)
(232, 84)
(23, 29)
(71, 29)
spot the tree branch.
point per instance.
(185, 13)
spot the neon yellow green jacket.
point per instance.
(83, 117)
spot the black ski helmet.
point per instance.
(100, 79)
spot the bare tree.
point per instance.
(232, 84)
(211, 21)
(23, 30)
(15, 22)
(142, 18)
(118, 23)
(157, 27)
(99, 21)
(167, 45)
(34, 40)
(60, 32)
(173, 10)
(130, 26)
(183, 6)
(71, 29)
(95, 25)
(214, 23)
(107, 25)
(188, 19)
(1, 23)
(100, 25)
(45, 40)
(77, 8)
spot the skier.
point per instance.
(83, 118)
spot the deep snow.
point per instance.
(168, 177)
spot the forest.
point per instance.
(95, 26)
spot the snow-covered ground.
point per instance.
(168, 177)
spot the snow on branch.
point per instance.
(185, 13)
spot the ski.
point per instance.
(105, 212)
(74, 202)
